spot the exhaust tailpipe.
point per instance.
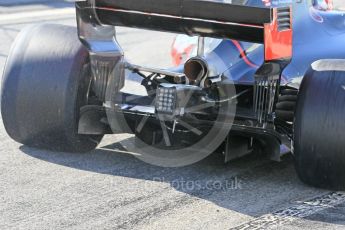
(196, 69)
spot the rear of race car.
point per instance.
(201, 95)
(62, 87)
(194, 108)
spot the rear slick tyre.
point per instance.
(319, 127)
(45, 83)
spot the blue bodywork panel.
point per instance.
(317, 34)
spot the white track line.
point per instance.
(34, 15)
(288, 215)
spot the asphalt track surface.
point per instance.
(110, 189)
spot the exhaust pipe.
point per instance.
(199, 71)
(196, 69)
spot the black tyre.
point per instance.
(286, 105)
(45, 82)
(319, 128)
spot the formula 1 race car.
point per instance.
(254, 87)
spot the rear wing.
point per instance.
(269, 26)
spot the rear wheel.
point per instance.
(286, 105)
(46, 81)
(319, 139)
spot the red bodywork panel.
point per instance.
(278, 44)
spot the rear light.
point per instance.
(166, 100)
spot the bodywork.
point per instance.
(318, 32)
